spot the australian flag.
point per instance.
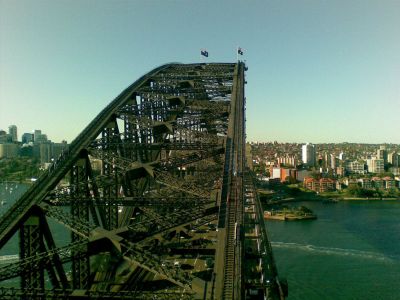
(240, 51)
(204, 53)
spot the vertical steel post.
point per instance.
(80, 262)
(30, 244)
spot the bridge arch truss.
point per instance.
(143, 195)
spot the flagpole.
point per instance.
(237, 53)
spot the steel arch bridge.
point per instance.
(154, 199)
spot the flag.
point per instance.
(204, 53)
(240, 51)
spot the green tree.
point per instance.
(392, 192)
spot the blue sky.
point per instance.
(319, 71)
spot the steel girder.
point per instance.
(134, 190)
(57, 294)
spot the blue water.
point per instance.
(352, 251)
(9, 193)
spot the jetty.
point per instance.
(301, 213)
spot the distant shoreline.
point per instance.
(361, 199)
(25, 181)
(336, 199)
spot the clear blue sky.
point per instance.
(319, 71)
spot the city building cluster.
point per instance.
(328, 167)
(34, 144)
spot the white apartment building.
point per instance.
(308, 154)
(376, 165)
(357, 167)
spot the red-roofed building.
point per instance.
(320, 186)
(378, 182)
(389, 183)
(311, 184)
(327, 185)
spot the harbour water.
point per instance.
(9, 193)
(352, 251)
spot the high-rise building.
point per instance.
(381, 153)
(327, 160)
(375, 165)
(27, 138)
(394, 159)
(9, 150)
(43, 138)
(45, 152)
(308, 154)
(3, 136)
(334, 163)
(36, 135)
(342, 156)
(12, 130)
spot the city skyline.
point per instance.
(18, 136)
(318, 71)
(301, 142)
